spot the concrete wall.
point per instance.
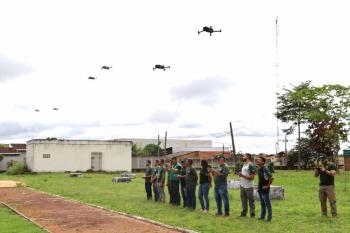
(7, 158)
(75, 155)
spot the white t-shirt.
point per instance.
(247, 170)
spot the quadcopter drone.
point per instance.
(55, 109)
(161, 67)
(106, 67)
(210, 30)
(92, 78)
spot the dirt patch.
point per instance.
(60, 215)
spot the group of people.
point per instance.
(182, 179)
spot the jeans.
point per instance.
(174, 191)
(161, 193)
(265, 204)
(247, 195)
(191, 196)
(148, 187)
(155, 191)
(183, 194)
(221, 195)
(204, 192)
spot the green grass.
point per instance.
(12, 223)
(299, 212)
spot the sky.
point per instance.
(49, 49)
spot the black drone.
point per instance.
(55, 109)
(210, 30)
(92, 78)
(37, 110)
(106, 67)
(161, 67)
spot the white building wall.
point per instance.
(70, 155)
(7, 158)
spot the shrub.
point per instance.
(17, 168)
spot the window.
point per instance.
(46, 156)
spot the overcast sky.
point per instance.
(49, 48)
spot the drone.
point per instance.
(106, 67)
(92, 78)
(37, 110)
(161, 67)
(209, 30)
(55, 109)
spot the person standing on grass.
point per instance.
(154, 180)
(191, 183)
(220, 189)
(265, 181)
(247, 185)
(204, 185)
(173, 181)
(148, 180)
(183, 181)
(161, 181)
(327, 172)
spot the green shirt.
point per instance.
(148, 172)
(160, 174)
(172, 175)
(191, 176)
(326, 179)
(222, 178)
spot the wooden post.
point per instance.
(158, 144)
(165, 141)
(233, 144)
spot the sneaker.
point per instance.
(261, 219)
(218, 214)
(252, 215)
(268, 221)
(226, 215)
(205, 211)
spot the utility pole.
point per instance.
(223, 149)
(165, 141)
(277, 80)
(285, 148)
(158, 144)
(233, 144)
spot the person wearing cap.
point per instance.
(220, 189)
(154, 180)
(265, 181)
(161, 181)
(183, 182)
(173, 181)
(148, 180)
(191, 183)
(247, 185)
(327, 172)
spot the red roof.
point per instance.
(19, 146)
(7, 150)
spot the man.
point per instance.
(327, 172)
(161, 181)
(265, 181)
(148, 180)
(220, 189)
(173, 181)
(154, 180)
(247, 185)
(191, 183)
(183, 181)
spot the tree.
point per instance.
(325, 110)
(136, 151)
(151, 150)
(308, 155)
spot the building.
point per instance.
(12, 152)
(78, 155)
(177, 145)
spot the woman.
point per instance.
(204, 186)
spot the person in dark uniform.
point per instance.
(220, 189)
(148, 180)
(154, 180)
(327, 172)
(174, 182)
(191, 183)
(265, 180)
(204, 185)
(183, 181)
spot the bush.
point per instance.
(271, 167)
(17, 168)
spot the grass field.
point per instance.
(12, 223)
(299, 212)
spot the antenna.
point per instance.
(277, 81)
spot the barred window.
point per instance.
(46, 156)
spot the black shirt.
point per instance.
(204, 176)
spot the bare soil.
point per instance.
(60, 215)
